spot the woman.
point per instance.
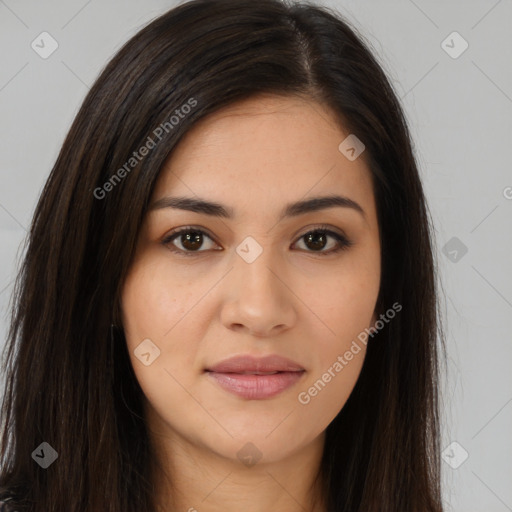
(228, 298)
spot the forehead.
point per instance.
(265, 151)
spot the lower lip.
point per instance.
(256, 387)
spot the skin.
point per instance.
(295, 300)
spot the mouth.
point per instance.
(256, 378)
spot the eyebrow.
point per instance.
(214, 209)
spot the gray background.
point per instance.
(459, 111)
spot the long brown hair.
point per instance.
(69, 381)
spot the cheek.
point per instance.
(158, 306)
(345, 301)
(325, 393)
(340, 352)
(154, 299)
(155, 310)
(346, 305)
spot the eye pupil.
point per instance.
(317, 239)
(189, 239)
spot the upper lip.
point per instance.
(247, 363)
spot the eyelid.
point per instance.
(320, 227)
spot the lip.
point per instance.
(239, 375)
(247, 363)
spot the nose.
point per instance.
(257, 298)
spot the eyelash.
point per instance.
(343, 242)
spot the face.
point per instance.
(251, 277)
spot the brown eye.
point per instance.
(318, 239)
(187, 240)
(192, 241)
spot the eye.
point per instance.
(189, 240)
(317, 240)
